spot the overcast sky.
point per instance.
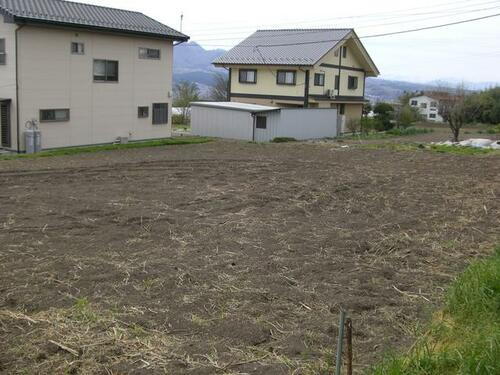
(467, 52)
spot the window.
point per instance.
(434, 104)
(143, 112)
(342, 109)
(149, 53)
(432, 115)
(319, 79)
(336, 53)
(414, 103)
(261, 122)
(248, 76)
(54, 115)
(423, 105)
(337, 82)
(352, 83)
(344, 52)
(105, 71)
(160, 113)
(3, 55)
(286, 77)
(77, 48)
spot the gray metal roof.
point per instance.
(85, 15)
(252, 108)
(284, 47)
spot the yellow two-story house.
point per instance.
(314, 68)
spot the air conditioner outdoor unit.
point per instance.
(331, 94)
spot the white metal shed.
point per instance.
(261, 123)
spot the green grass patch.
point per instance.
(110, 147)
(442, 149)
(283, 140)
(493, 129)
(465, 337)
(461, 150)
(181, 127)
(390, 133)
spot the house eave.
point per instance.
(37, 22)
(222, 65)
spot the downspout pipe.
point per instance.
(229, 83)
(306, 86)
(254, 120)
(18, 135)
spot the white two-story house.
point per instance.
(314, 68)
(428, 105)
(87, 74)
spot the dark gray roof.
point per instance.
(88, 16)
(284, 47)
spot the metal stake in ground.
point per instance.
(340, 343)
(348, 327)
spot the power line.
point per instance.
(354, 27)
(379, 15)
(370, 36)
(456, 11)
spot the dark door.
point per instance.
(5, 123)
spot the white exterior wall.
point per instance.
(221, 123)
(50, 77)
(426, 112)
(297, 123)
(8, 75)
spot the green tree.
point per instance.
(407, 116)
(384, 114)
(488, 103)
(184, 94)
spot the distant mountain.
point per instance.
(379, 89)
(193, 63)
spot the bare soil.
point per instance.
(231, 257)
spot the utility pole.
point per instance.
(182, 19)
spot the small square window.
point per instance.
(77, 48)
(261, 122)
(247, 76)
(143, 112)
(432, 115)
(54, 115)
(414, 103)
(319, 79)
(286, 77)
(105, 71)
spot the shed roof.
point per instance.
(235, 106)
(285, 47)
(68, 13)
